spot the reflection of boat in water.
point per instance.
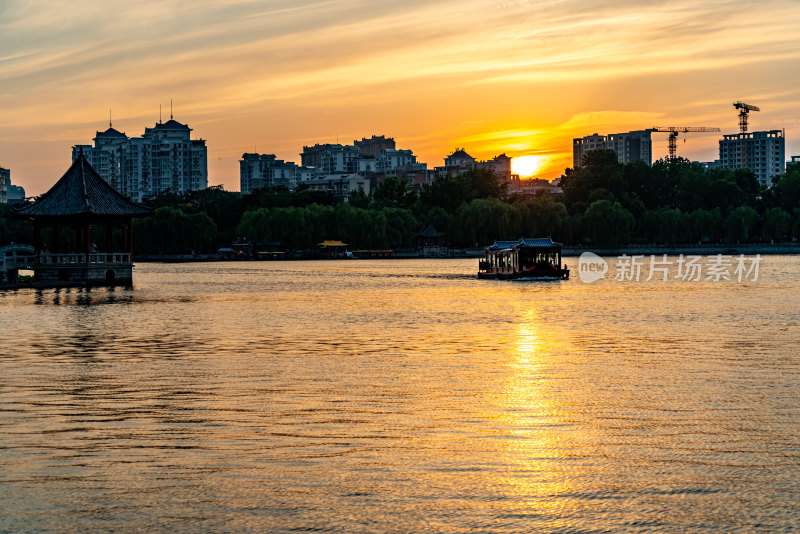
(371, 254)
(524, 259)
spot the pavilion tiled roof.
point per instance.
(430, 232)
(537, 242)
(81, 191)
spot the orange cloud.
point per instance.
(520, 77)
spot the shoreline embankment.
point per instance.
(697, 250)
(630, 250)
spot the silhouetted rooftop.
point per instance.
(460, 153)
(172, 124)
(111, 132)
(81, 191)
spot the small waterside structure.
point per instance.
(524, 259)
(332, 249)
(14, 257)
(80, 202)
(432, 242)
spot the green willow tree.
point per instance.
(171, 231)
(607, 224)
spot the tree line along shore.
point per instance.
(674, 204)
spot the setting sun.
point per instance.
(526, 166)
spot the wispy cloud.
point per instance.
(515, 75)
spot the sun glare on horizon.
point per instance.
(526, 166)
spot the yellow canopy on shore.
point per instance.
(332, 244)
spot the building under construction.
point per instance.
(764, 153)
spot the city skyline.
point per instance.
(516, 77)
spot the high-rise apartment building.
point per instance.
(632, 146)
(164, 158)
(263, 171)
(582, 145)
(331, 158)
(5, 181)
(764, 153)
(629, 146)
(376, 159)
(15, 194)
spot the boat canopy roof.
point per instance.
(524, 242)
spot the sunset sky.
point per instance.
(515, 76)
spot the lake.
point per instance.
(401, 396)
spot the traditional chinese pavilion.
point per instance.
(83, 231)
(431, 241)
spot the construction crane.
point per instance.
(744, 110)
(675, 130)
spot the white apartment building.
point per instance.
(582, 145)
(629, 146)
(262, 171)
(764, 153)
(389, 159)
(459, 162)
(632, 146)
(366, 164)
(331, 158)
(340, 185)
(402, 164)
(375, 158)
(164, 158)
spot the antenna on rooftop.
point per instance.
(109, 117)
(159, 114)
(170, 109)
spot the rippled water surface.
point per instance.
(400, 396)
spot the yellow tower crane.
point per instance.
(675, 130)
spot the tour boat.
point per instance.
(524, 259)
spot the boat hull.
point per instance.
(548, 274)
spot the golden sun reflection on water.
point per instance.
(537, 443)
(376, 396)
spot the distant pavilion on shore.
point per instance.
(80, 209)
